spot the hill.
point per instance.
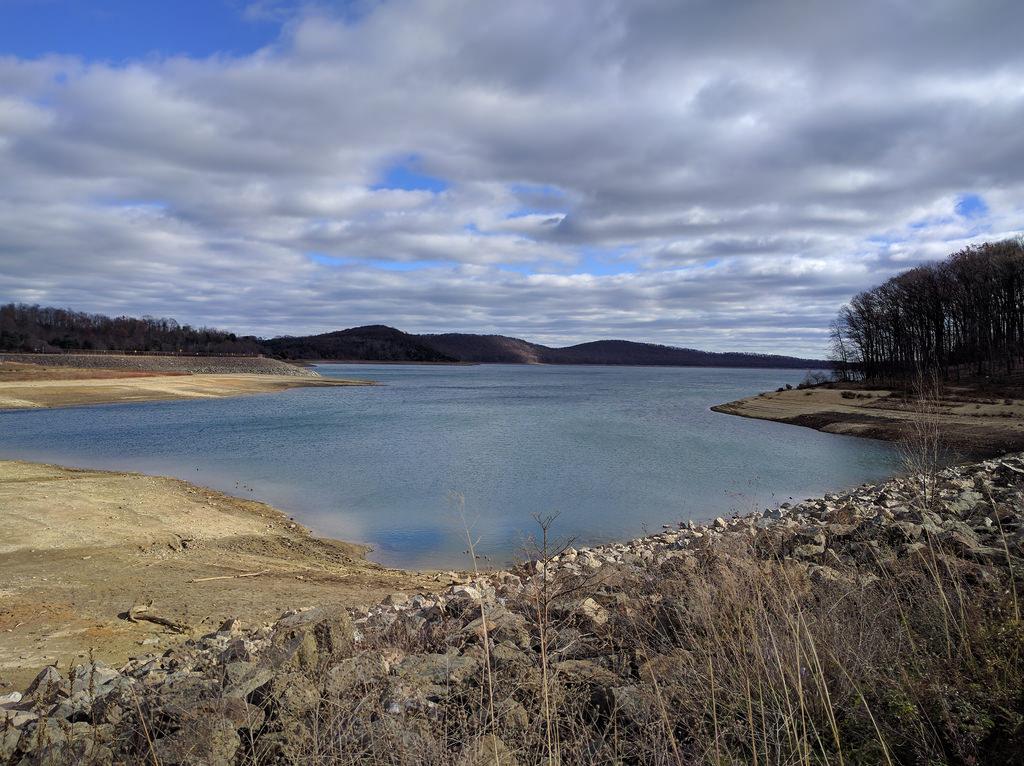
(372, 343)
(493, 349)
(629, 352)
(36, 329)
(501, 349)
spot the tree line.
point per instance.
(45, 329)
(962, 316)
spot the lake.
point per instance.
(615, 451)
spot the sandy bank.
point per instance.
(24, 389)
(970, 423)
(80, 547)
(200, 365)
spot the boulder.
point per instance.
(591, 613)
(488, 750)
(312, 638)
(208, 741)
(243, 678)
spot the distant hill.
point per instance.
(629, 352)
(380, 343)
(494, 349)
(51, 330)
(372, 343)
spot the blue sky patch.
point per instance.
(116, 30)
(405, 174)
(377, 263)
(523, 212)
(602, 261)
(971, 206)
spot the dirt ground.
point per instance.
(81, 547)
(24, 386)
(972, 423)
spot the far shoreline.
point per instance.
(977, 426)
(40, 385)
(315, 362)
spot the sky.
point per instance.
(698, 173)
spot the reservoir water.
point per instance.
(615, 451)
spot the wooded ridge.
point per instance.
(53, 330)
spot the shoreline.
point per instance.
(83, 547)
(971, 424)
(48, 392)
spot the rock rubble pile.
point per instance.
(221, 698)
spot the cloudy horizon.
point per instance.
(700, 174)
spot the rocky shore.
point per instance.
(611, 647)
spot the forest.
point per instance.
(962, 317)
(44, 329)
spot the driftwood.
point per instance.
(231, 577)
(140, 613)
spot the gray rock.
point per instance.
(206, 741)
(243, 678)
(312, 638)
(488, 750)
(93, 676)
(591, 613)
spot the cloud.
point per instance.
(675, 172)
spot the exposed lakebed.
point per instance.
(614, 450)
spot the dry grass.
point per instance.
(735, 657)
(740, 659)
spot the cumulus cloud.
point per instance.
(694, 173)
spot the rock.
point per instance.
(960, 540)
(9, 737)
(488, 750)
(16, 719)
(93, 676)
(808, 551)
(906, 531)
(12, 698)
(206, 741)
(397, 599)
(232, 626)
(312, 638)
(584, 672)
(79, 743)
(502, 625)
(440, 669)
(292, 695)
(46, 685)
(243, 678)
(825, 574)
(634, 703)
(465, 595)
(591, 612)
(353, 674)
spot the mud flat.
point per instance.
(81, 547)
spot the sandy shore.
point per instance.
(971, 423)
(26, 386)
(81, 547)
